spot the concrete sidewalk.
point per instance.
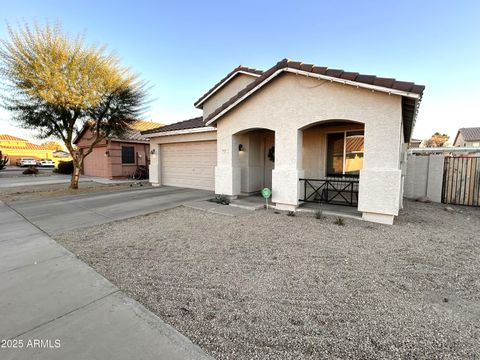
(47, 294)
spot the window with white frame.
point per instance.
(345, 153)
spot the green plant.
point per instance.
(65, 167)
(3, 162)
(319, 214)
(291, 213)
(221, 199)
(339, 221)
(31, 170)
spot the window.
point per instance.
(345, 153)
(128, 155)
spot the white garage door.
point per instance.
(190, 165)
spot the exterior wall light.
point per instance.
(152, 151)
(241, 148)
(107, 153)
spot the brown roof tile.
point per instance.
(181, 125)
(337, 73)
(470, 134)
(236, 70)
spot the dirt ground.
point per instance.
(20, 193)
(270, 286)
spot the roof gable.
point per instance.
(411, 93)
(230, 76)
(470, 134)
(134, 131)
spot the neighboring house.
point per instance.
(15, 148)
(116, 158)
(415, 143)
(292, 122)
(467, 137)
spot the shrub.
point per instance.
(291, 213)
(31, 170)
(339, 221)
(3, 162)
(65, 167)
(221, 199)
(319, 214)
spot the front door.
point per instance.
(269, 152)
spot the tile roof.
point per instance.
(136, 128)
(388, 83)
(6, 137)
(181, 125)
(470, 134)
(409, 105)
(28, 146)
(238, 69)
(134, 133)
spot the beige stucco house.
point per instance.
(309, 133)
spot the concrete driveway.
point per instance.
(53, 306)
(58, 215)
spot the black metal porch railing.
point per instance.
(337, 191)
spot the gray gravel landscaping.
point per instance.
(270, 286)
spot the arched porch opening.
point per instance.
(332, 158)
(256, 159)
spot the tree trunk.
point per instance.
(75, 176)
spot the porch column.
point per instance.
(381, 176)
(288, 168)
(154, 169)
(227, 171)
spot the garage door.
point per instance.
(190, 165)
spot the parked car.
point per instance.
(26, 162)
(45, 163)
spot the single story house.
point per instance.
(467, 137)
(117, 157)
(309, 133)
(15, 148)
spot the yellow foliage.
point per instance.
(45, 62)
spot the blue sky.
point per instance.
(183, 48)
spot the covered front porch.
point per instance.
(328, 160)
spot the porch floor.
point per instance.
(256, 202)
(250, 202)
(330, 209)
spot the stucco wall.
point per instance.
(292, 102)
(239, 82)
(155, 142)
(424, 177)
(98, 163)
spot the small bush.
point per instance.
(339, 221)
(65, 167)
(221, 199)
(31, 170)
(291, 213)
(319, 214)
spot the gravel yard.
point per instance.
(269, 286)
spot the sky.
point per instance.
(182, 48)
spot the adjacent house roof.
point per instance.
(238, 70)
(469, 134)
(190, 124)
(411, 93)
(134, 133)
(6, 137)
(27, 146)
